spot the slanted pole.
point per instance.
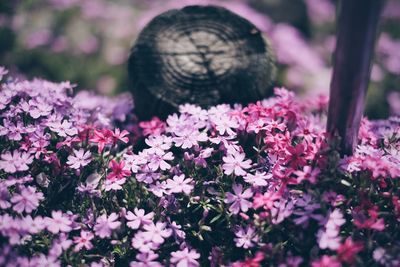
(356, 33)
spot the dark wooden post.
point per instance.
(357, 27)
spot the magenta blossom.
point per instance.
(117, 170)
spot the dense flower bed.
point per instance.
(83, 185)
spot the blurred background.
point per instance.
(88, 42)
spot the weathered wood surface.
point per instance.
(203, 55)
(357, 28)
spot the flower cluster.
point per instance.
(236, 186)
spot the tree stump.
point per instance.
(204, 55)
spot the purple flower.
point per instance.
(239, 200)
(146, 260)
(114, 185)
(147, 175)
(80, 159)
(180, 185)
(27, 200)
(158, 160)
(305, 208)
(58, 223)
(142, 243)
(246, 237)
(15, 161)
(235, 163)
(15, 131)
(4, 197)
(138, 218)
(159, 143)
(105, 225)
(281, 210)
(39, 108)
(185, 258)
(156, 232)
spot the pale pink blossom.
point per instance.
(106, 224)
(79, 159)
(185, 258)
(180, 184)
(236, 163)
(138, 218)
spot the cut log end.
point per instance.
(203, 55)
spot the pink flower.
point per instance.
(239, 200)
(326, 261)
(370, 221)
(307, 174)
(348, 250)
(225, 124)
(83, 241)
(266, 200)
(15, 161)
(104, 225)
(102, 138)
(156, 232)
(138, 217)
(27, 200)
(153, 127)
(117, 170)
(235, 163)
(118, 135)
(180, 185)
(185, 258)
(58, 223)
(80, 159)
